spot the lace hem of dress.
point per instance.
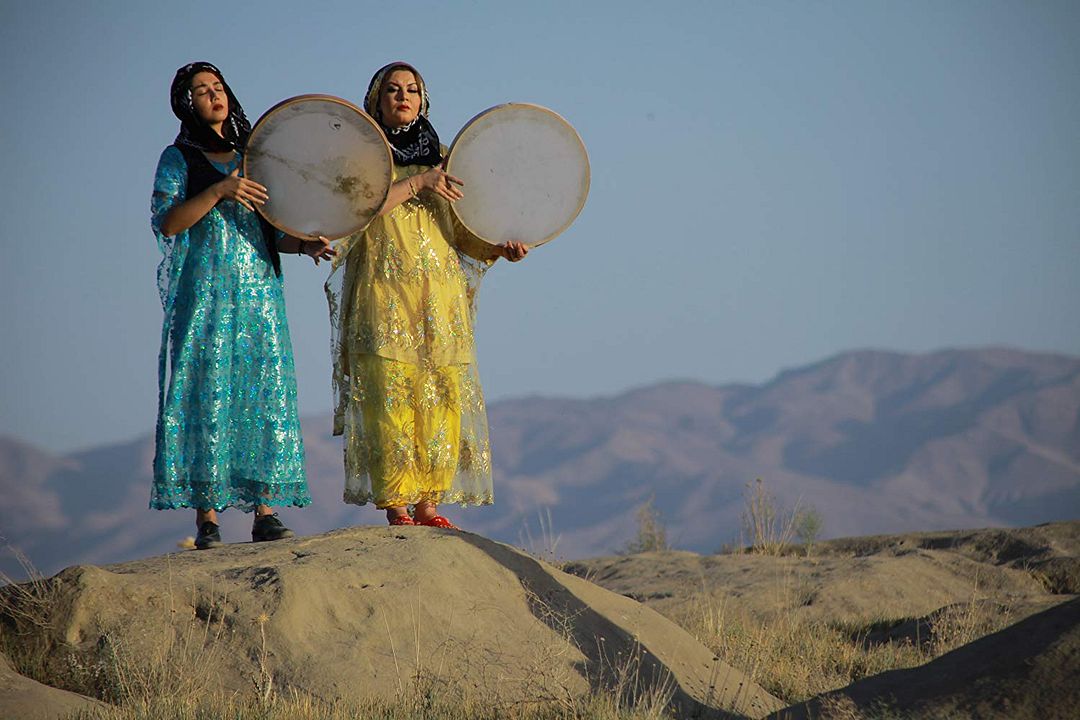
(447, 497)
(244, 501)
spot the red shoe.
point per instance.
(403, 520)
(438, 521)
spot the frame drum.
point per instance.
(526, 174)
(325, 164)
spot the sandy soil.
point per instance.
(375, 611)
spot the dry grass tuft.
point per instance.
(25, 618)
(797, 658)
(767, 527)
(409, 707)
(180, 665)
(788, 655)
(544, 546)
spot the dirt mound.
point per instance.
(853, 580)
(1027, 671)
(372, 612)
(870, 604)
(27, 699)
(996, 546)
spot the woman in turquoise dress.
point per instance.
(228, 431)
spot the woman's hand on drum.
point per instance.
(318, 248)
(513, 251)
(246, 192)
(440, 182)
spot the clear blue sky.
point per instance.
(773, 183)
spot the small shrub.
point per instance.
(651, 533)
(808, 525)
(25, 618)
(768, 526)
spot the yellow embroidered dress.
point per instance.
(409, 403)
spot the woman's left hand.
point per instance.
(513, 251)
(318, 249)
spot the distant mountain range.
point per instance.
(876, 442)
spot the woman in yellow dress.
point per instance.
(402, 293)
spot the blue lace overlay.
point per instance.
(228, 433)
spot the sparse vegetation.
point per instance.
(409, 707)
(177, 666)
(23, 613)
(767, 526)
(790, 655)
(651, 532)
(841, 707)
(796, 658)
(178, 679)
(545, 545)
(808, 526)
(957, 625)
(178, 684)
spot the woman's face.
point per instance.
(399, 102)
(209, 99)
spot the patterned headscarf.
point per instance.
(193, 131)
(417, 143)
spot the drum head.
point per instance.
(325, 165)
(526, 174)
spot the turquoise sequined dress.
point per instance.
(228, 433)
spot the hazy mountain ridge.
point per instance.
(878, 442)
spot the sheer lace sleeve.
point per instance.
(170, 188)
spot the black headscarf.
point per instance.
(193, 131)
(417, 143)
(196, 137)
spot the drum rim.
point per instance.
(352, 106)
(534, 106)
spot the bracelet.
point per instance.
(412, 190)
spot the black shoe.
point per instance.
(268, 527)
(209, 537)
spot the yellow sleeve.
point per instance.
(471, 245)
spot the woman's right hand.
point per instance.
(440, 182)
(246, 192)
